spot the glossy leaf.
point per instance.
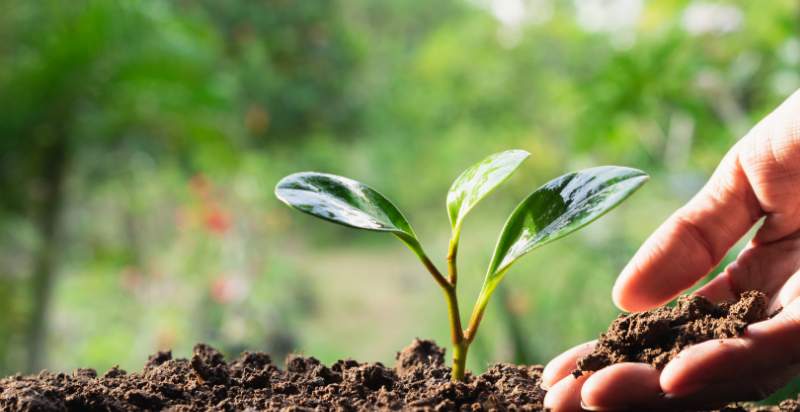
(346, 202)
(560, 207)
(478, 181)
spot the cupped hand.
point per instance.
(758, 178)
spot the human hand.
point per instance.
(759, 177)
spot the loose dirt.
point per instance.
(656, 336)
(419, 381)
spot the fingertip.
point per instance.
(617, 296)
(563, 364)
(634, 289)
(565, 395)
(621, 386)
(625, 296)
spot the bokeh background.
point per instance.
(140, 142)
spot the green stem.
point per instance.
(475, 319)
(489, 285)
(456, 332)
(437, 276)
(452, 253)
(459, 360)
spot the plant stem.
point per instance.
(488, 288)
(459, 360)
(437, 276)
(475, 319)
(460, 344)
(456, 334)
(452, 253)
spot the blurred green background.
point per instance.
(140, 142)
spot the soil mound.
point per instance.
(656, 336)
(420, 381)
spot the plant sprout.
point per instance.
(558, 208)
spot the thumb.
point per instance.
(692, 241)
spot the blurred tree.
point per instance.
(80, 80)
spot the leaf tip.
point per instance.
(520, 152)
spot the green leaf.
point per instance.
(558, 208)
(346, 202)
(478, 181)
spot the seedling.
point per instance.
(560, 207)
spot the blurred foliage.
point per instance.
(140, 141)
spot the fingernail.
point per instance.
(684, 391)
(595, 408)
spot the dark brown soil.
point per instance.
(656, 336)
(419, 381)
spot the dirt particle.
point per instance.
(209, 365)
(158, 358)
(420, 354)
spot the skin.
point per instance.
(757, 182)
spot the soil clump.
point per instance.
(658, 335)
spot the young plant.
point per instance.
(558, 208)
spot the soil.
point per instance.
(656, 336)
(419, 381)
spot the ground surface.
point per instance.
(419, 379)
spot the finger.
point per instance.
(692, 241)
(764, 267)
(622, 386)
(767, 346)
(636, 386)
(563, 364)
(565, 395)
(704, 364)
(713, 396)
(753, 388)
(789, 292)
